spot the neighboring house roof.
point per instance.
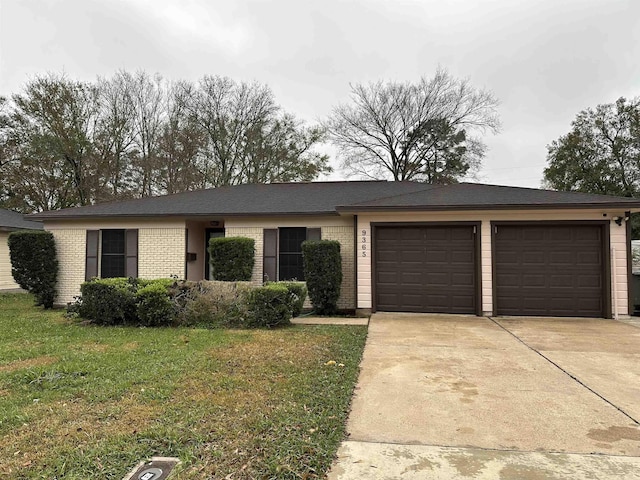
(477, 196)
(329, 198)
(10, 220)
(310, 198)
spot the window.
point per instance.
(112, 260)
(282, 252)
(290, 253)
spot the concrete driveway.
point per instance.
(455, 397)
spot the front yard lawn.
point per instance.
(80, 401)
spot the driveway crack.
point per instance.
(573, 377)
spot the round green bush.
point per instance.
(154, 307)
(268, 306)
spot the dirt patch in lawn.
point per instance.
(28, 363)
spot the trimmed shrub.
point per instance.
(210, 303)
(297, 295)
(268, 306)
(154, 307)
(232, 258)
(34, 265)
(143, 282)
(125, 301)
(323, 274)
(109, 301)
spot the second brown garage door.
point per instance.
(549, 270)
(428, 269)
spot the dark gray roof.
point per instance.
(310, 198)
(477, 196)
(10, 220)
(328, 198)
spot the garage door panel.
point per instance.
(549, 270)
(534, 234)
(412, 256)
(533, 258)
(411, 278)
(589, 258)
(561, 235)
(434, 267)
(435, 279)
(560, 280)
(591, 236)
(464, 257)
(535, 280)
(462, 279)
(592, 281)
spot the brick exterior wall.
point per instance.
(71, 251)
(161, 252)
(257, 235)
(344, 235)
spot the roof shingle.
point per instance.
(482, 196)
(310, 198)
(331, 198)
(10, 220)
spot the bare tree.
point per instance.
(114, 139)
(249, 138)
(65, 143)
(420, 131)
(282, 151)
(148, 96)
(227, 111)
(180, 144)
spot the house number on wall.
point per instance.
(364, 243)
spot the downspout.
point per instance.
(615, 287)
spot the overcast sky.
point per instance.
(545, 60)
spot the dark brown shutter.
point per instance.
(91, 257)
(270, 255)
(131, 253)
(314, 233)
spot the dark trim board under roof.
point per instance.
(333, 198)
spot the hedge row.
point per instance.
(122, 301)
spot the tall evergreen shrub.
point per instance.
(34, 265)
(323, 274)
(232, 258)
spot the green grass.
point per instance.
(80, 401)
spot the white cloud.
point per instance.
(202, 21)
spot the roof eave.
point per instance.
(634, 207)
(177, 215)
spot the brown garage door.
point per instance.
(549, 270)
(425, 269)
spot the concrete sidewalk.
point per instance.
(444, 389)
(383, 461)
